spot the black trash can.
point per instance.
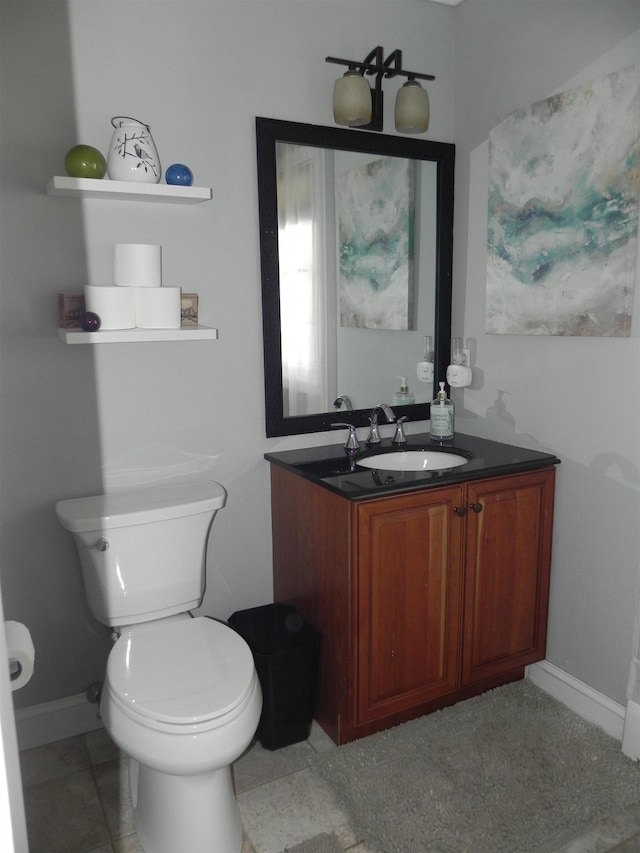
(286, 650)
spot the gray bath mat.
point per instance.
(319, 844)
(512, 771)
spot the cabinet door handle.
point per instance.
(460, 510)
(476, 507)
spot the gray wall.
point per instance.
(75, 420)
(78, 419)
(510, 54)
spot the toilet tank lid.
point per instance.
(142, 506)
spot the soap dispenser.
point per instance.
(403, 397)
(441, 418)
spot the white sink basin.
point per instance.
(413, 460)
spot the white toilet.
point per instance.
(181, 696)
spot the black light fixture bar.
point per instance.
(375, 63)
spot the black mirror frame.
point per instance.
(268, 132)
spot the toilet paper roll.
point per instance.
(116, 306)
(158, 308)
(137, 265)
(20, 652)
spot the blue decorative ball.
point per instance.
(179, 174)
(90, 322)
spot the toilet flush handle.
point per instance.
(102, 544)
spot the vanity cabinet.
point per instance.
(507, 572)
(422, 598)
(407, 571)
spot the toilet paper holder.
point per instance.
(15, 669)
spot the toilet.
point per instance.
(181, 696)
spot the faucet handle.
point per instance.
(374, 433)
(351, 443)
(400, 437)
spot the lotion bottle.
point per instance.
(403, 397)
(441, 418)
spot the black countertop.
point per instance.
(330, 467)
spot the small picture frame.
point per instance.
(189, 310)
(70, 310)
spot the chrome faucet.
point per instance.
(374, 435)
(351, 445)
(343, 400)
(400, 437)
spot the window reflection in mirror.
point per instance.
(307, 278)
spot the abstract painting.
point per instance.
(376, 228)
(564, 180)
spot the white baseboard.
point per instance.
(51, 721)
(74, 715)
(631, 736)
(593, 706)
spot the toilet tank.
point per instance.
(143, 552)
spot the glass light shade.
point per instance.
(412, 108)
(352, 100)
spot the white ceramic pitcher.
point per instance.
(132, 153)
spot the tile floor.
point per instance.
(76, 801)
(76, 798)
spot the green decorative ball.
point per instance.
(84, 161)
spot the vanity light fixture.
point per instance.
(356, 104)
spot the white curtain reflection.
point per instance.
(302, 256)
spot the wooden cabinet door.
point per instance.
(509, 524)
(409, 594)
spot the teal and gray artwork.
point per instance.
(564, 180)
(376, 221)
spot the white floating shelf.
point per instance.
(126, 190)
(122, 336)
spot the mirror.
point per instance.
(356, 239)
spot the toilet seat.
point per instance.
(192, 673)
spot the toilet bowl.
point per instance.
(181, 696)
